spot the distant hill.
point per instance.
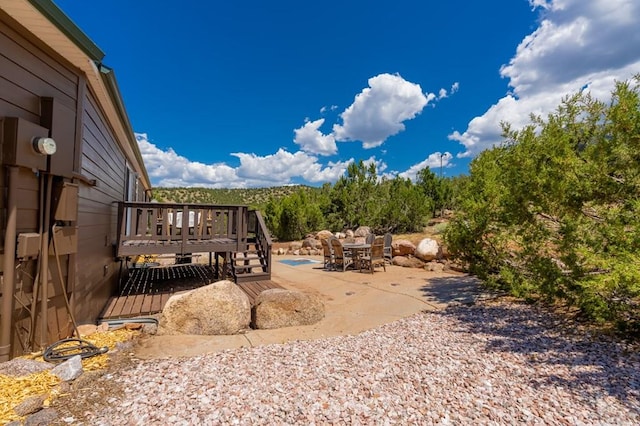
(253, 197)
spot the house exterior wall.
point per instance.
(40, 87)
(97, 214)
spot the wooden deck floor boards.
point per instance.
(147, 291)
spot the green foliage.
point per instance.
(296, 215)
(254, 197)
(359, 198)
(402, 207)
(438, 189)
(554, 212)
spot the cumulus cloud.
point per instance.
(166, 168)
(330, 173)
(434, 161)
(576, 46)
(379, 111)
(275, 168)
(312, 140)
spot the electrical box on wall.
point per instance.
(64, 240)
(28, 245)
(66, 202)
(61, 119)
(18, 136)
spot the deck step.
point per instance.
(247, 257)
(241, 268)
(256, 276)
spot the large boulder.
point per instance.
(402, 248)
(362, 231)
(276, 308)
(295, 245)
(311, 243)
(324, 235)
(435, 266)
(218, 308)
(407, 262)
(428, 250)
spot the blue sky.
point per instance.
(257, 94)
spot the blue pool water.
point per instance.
(296, 262)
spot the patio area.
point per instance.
(353, 301)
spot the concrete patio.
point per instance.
(354, 302)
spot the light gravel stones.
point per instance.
(481, 364)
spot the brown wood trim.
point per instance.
(79, 141)
(84, 179)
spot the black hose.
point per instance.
(55, 353)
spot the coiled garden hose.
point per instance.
(62, 350)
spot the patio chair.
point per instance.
(388, 252)
(375, 257)
(328, 254)
(342, 258)
(370, 238)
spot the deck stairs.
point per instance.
(250, 264)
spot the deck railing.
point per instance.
(258, 228)
(174, 227)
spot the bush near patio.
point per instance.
(554, 212)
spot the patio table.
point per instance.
(357, 250)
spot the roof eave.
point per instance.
(71, 30)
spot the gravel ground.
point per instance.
(484, 364)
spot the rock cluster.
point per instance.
(222, 308)
(429, 254)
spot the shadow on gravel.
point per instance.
(465, 289)
(597, 366)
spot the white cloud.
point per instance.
(434, 161)
(312, 140)
(331, 108)
(274, 169)
(380, 110)
(576, 44)
(168, 169)
(443, 93)
(331, 173)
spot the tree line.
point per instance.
(362, 198)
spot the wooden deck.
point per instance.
(148, 289)
(153, 246)
(163, 228)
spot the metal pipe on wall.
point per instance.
(8, 277)
(44, 266)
